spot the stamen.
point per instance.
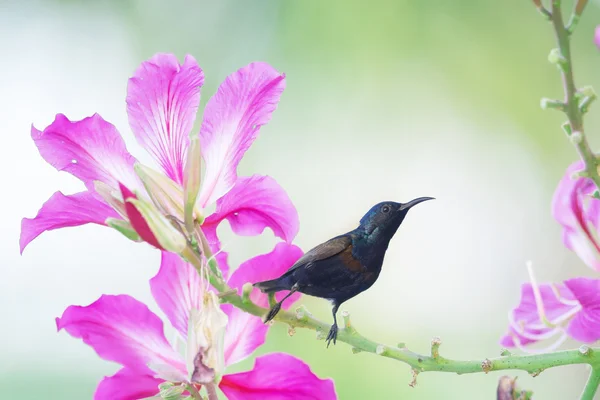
(551, 347)
(561, 298)
(537, 295)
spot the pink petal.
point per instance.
(579, 214)
(128, 384)
(136, 219)
(124, 330)
(246, 332)
(585, 326)
(162, 101)
(525, 320)
(91, 149)
(176, 289)
(232, 118)
(277, 376)
(264, 267)
(253, 204)
(597, 37)
(62, 211)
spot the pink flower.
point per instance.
(124, 330)
(597, 37)
(569, 309)
(579, 213)
(162, 101)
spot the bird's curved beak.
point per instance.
(414, 202)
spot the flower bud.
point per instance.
(167, 235)
(166, 195)
(191, 181)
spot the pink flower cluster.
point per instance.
(163, 97)
(556, 311)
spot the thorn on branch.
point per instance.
(585, 350)
(401, 345)
(356, 350)
(435, 347)
(536, 373)
(413, 381)
(572, 24)
(486, 365)
(347, 324)
(302, 314)
(291, 331)
(540, 7)
(380, 350)
(505, 353)
(557, 58)
(546, 104)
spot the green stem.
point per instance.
(592, 384)
(534, 364)
(574, 114)
(193, 392)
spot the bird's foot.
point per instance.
(332, 334)
(272, 312)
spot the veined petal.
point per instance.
(579, 213)
(525, 321)
(91, 149)
(585, 326)
(62, 211)
(128, 384)
(232, 118)
(176, 289)
(277, 376)
(162, 101)
(246, 332)
(253, 204)
(124, 330)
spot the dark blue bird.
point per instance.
(344, 266)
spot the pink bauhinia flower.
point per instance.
(124, 330)
(162, 101)
(554, 312)
(579, 213)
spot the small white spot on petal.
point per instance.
(236, 213)
(73, 161)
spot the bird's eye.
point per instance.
(385, 209)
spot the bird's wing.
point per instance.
(324, 251)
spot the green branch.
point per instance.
(301, 318)
(575, 102)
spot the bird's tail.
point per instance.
(274, 285)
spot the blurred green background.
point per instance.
(385, 100)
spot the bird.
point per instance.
(345, 265)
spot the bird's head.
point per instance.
(382, 221)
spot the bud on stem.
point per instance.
(191, 181)
(167, 236)
(166, 195)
